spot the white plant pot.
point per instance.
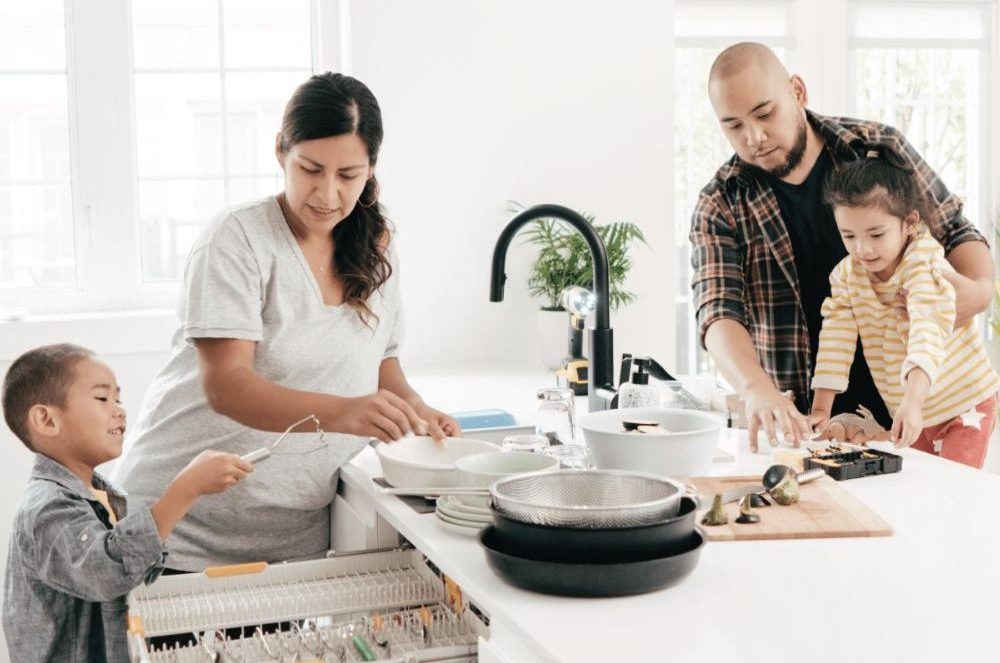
(553, 337)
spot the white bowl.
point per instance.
(420, 462)
(481, 470)
(686, 451)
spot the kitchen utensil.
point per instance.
(483, 469)
(686, 450)
(589, 499)
(824, 510)
(624, 577)
(562, 544)
(265, 452)
(420, 461)
(770, 479)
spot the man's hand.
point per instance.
(768, 409)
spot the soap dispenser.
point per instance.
(638, 392)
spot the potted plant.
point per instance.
(563, 261)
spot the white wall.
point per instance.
(560, 102)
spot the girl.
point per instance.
(936, 380)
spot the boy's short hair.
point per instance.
(39, 376)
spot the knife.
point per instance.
(736, 493)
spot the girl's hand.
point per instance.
(439, 424)
(817, 420)
(907, 424)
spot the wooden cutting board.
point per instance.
(824, 510)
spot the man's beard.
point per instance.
(794, 155)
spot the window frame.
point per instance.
(103, 160)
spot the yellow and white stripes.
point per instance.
(955, 361)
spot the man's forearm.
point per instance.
(973, 261)
(732, 349)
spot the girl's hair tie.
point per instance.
(872, 154)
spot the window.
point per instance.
(921, 70)
(699, 145)
(210, 80)
(37, 239)
(115, 152)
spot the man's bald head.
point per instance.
(760, 107)
(746, 56)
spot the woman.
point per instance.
(291, 307)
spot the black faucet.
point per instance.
(599, 374)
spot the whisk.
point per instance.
(265, 452)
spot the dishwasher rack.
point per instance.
(390, 606)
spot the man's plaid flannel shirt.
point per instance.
(742, 256)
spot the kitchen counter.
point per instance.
(927, 593)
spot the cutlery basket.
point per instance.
(391, 606)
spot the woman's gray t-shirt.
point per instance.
(246, 278)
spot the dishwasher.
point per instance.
(391, 605)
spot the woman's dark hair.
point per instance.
(333, 105)
(882, 179)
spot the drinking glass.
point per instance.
(571, 456)
(525, 442)
(555, 415)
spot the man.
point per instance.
(764, 243)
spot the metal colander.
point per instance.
(587, 499)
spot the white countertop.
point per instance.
(927, 593)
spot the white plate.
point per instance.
(458, 504)
(463, 519)
(458, 529)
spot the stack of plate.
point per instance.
(463, 515)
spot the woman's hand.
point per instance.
(907, 424)
(382, 415)
(439, 424)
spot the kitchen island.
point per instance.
(929, 592)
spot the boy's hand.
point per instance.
(214, 471)
(907, 424)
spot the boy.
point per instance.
(74, 553)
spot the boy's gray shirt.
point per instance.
(69, 571)
(247, 278)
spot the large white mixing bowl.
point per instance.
(685, 451)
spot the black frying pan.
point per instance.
(568, 544)
(622, 578)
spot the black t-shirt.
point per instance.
(817, 248)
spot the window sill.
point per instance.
(106, 333)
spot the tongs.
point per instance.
(265, 452)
